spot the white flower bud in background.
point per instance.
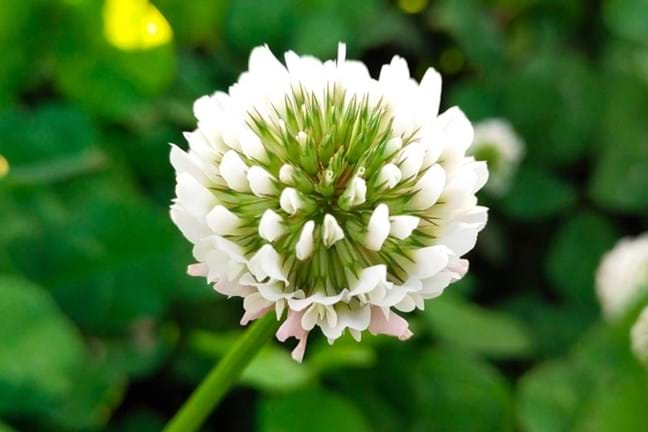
(502, 149)
(639, 337)
(622, 276)
(322, 226)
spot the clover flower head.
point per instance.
(639, 337)
(622, 276)
(327, 197)
(497, 143)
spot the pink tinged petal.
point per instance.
(429, 187)
(233, 289)
(292, 328)
(289, 201)
(261, 182)
(393, 325)
(304, 246)
(222, 221)
(331, 231)
(378, 228)
(389, 176)
(234, 172)
(430, 88)
(458, 268)
(411, 159)
(252, 147)
(271, 226)
(191, 228)
(248, 316)
(401, 227)
(198, 269)
(429, 261)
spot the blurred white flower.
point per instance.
(328, 197)
(622, 276)
(639, 337)
(501, 148)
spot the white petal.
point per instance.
(411, 159)
(222, 221)
(183, 163)
(191, 228)
(271, 226)
(331, 231)
(429, 261)
(355, 193)
(290, 201)
(286, 174)
(370, 277)
(310, 318)
(267, 263)
(251, 146)
(393, 145)
(481, 170)
(389, 176)
(234, 171)
(457, 128)
(429, 187)
(378, 228)
(430, 88)
(193, 196)
(304, 246)
(403, 225)
(261, 182)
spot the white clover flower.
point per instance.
(328, 197)
(501, 148)
(622, 276)
(639, 337)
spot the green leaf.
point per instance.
(477, 329)
(627, 19)
(549, 397)
(5, 428)
(312, 410)
(40, 351)
(572, 262)
(620, 179)
(250, 23)
(459, 393)
(537, 195)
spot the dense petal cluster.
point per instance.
(330, 198)
(497, 143)
(622, 276)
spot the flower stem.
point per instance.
(205, 398)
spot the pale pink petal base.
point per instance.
(292, 328)
(198, 269)
(251, 316)
(392, 325)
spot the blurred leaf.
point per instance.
(16, 44)
(473, 29)
(620, 179)
(196, 22)
(101, 78)
(250, 23)
(537, 195)
(40, 351)
(459, 393)
(627, 19)
(549, 397)
(312, 410)
(141, 421)
(572, 262)
(477, 329)
(5, 428)
(96, 391)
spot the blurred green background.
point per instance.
(100, 328)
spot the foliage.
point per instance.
(100, 328)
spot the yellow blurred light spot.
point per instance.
(4, 166)
(451, 61)
(412, 6)
(135, 25)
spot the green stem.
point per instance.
(205, 398)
